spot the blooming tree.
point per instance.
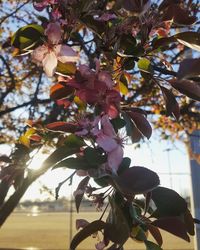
(108, 62)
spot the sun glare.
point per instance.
(37, 160)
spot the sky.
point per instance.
(152, 154)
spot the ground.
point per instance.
(50, 231)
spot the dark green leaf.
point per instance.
(128, 64)
(102, 181)
(93, 156)
(88, 230)
(59, 154)
(118, 123)
(151, 246)
(141, 234)
(78, 163)
(96, 26)
(27, 36)
(74, 141)
(127, 43)
(66, 68)
(124, 165)
(168, 202)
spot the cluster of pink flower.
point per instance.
(53, 50)
(41, 5)
(95, 88)
(106, 138)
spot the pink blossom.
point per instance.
(51, 52)
(111, 143)
(81, 173)
(100, 245)
(98, 200)
(97, 88)
(81, 223)
(106, 17)
(40, 5)
(87, 126)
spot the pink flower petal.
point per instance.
(81, 223)
(112, 111)
(87, 95)
(65, 54)
(106, 142)
(85, 71)
(53, 32)
(100, 245)
(39, 53)
(107, 126)
(81, 173)
(106, 17)
(115, 158)
(50, 64)
(106, 77)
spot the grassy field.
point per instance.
(51, 231)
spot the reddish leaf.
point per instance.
(173, 226)
(189, 39)
(166, 3)
(171, 104)
(178, 15)
(147, 202)
(168, 202)
(36, 138)
(189, 222)
(189, 68)
(5, 158)
(136, 135)
(63, 126)
(63, 102)
(138, 110)
(187, 87)
(141, 123)
(131, 129)
(164, 41)
(136, 5)
(79, 193)
(88, 230)
(59, 91)
(155, 232)
(137, 180)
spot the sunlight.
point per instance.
(37, 160)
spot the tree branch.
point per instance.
(32, 102)
(12, 13)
